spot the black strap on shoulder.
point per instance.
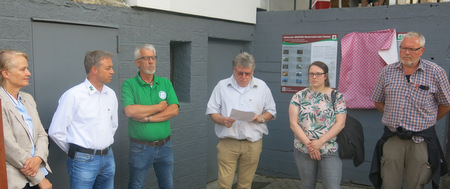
(333, 97)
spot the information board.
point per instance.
(299, 51)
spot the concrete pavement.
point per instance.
(264, 182)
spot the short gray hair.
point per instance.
(245, 60)
(93, 58)
(413, 34)
(137, 51)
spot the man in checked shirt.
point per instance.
(412, 95)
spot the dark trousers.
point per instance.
(29, 187)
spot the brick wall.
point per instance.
(136, 26)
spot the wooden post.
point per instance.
(3, 180)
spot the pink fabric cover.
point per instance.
(361, 65)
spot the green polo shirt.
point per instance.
(136, 91)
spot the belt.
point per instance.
(155, 143)
(235, 139)
(75, 148)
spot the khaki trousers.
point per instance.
(405, 158)
(232, 152)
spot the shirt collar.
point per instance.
(90, 87)
(19, 97)
(142, 82)
(421, 67)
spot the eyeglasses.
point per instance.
(244, 73)
(411, 50)
(147, 58)
(315, 74)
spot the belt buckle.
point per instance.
(103, 151)
(155, 143)
(147, 143)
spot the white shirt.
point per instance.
(256, 97)
(85, 117)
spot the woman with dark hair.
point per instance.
(316, 121)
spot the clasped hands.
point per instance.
(31, 168)
(313, 147)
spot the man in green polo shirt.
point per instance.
(149, 102)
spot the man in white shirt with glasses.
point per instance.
(240, 141)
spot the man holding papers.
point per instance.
(240, 106)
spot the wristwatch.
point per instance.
(262, 119)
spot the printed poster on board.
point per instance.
(299, 51)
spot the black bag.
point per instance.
(346, 147)
(350, 139)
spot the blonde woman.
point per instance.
(26, 142)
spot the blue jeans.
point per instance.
(143, 157)
(330, 167)
(87, 171)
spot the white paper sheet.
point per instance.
(241, 115)
(390, 56)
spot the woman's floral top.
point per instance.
(316, 116)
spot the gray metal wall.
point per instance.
(136, 26)
(430, 19)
